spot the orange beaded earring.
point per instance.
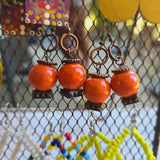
(43, 76)
(124, 82)
(72, 74)
(96, 88)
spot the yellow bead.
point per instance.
(60, 138)
(110, 150)
(123, 135)
(50, 147)
(80, 150)
(119, 137)
(118, 141)
(54, 137)
(46, 138)
(125, 130)
(113, 142)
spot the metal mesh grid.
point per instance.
(140, 44)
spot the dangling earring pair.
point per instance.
(71, 75)
(124, 82)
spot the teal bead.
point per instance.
(86, 156)
(78, 147)
(43, 143)
(65, 154)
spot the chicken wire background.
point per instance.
(140, 44)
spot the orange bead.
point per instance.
(46, 138)
(96, 90)
(41, 146)
(42, 77)
(75, 143)
(125, 84)
(71, 76)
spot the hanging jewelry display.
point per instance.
(96, 88)
(72, 74)
(43, 76)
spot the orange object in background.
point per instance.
(125, 84)
(96, 90)
(42, 77)
(71, 76)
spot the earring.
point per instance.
(47, 136)
(71, 75)
(43, 76)
(96, 88)
(125, 83)
(5, 135)
(56, 141)
(27, 140)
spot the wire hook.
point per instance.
(61, 127)
(50, 123)
(7, 105)
(92, 126)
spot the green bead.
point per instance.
(30, 158)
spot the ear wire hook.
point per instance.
(6, 122)
(61, 128)
(92, 132)
(134, 117)
(19, 112)
(50, 123)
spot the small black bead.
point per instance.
(68, 156)
(52, 143)
(58, 145)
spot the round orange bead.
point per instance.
(125, 84)
(96, 90)
(75, 143)
(71, 76)
(42, 77)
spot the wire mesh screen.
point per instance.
(140, 44)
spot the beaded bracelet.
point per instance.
(77, 146)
